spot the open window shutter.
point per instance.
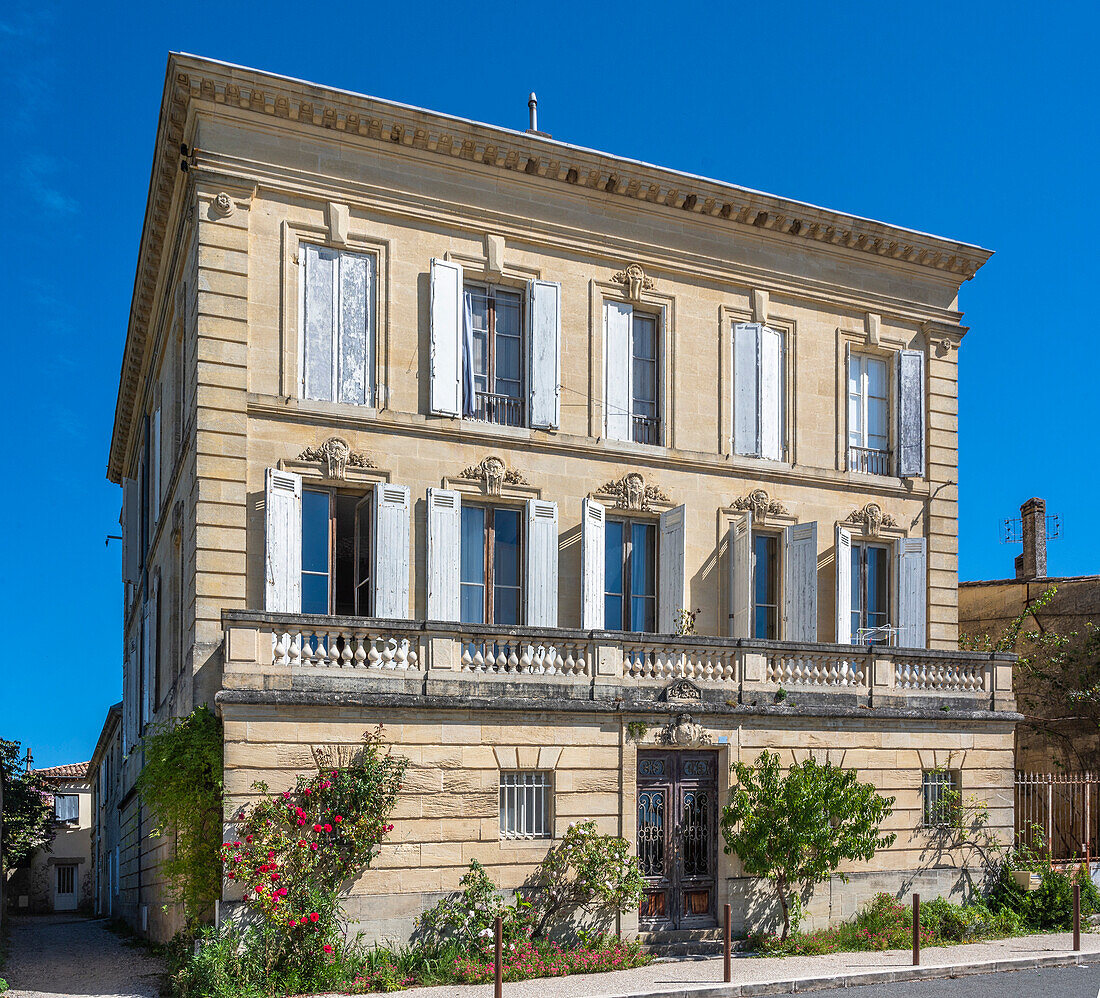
(391, 551)
(542, 563)
(910, 365)
(319, 320)
(354, 333)
(618, 367)
(771, 394)
(843, 585)
(544, 365)
(740, 555)
(670, 569)
(131, 527)
(282, 541)
(746, 388)
(147, 619)
(800, 584)
(154, 475)
(593, 564)
(912, 578)
(446, 334)
(444, 554)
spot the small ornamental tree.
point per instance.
(28, 809)
(294, 851)
(796, 829)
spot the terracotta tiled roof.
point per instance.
(73, 771)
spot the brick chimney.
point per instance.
(1032, 564)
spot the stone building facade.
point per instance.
(452, 428)
(105, 770)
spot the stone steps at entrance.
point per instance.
(681, 943)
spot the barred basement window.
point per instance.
(940, 789)
(524, 805)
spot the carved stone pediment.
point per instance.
(683, 731)
(634, 279)
(493, 474)
(337, 456)
(631, 492)
(761, 505)
(682, 689)
(871, 518)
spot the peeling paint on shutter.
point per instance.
(670, 569)
(910, 413)
(771, 394)
(155, 474)
(391, 551)
(740, 557)
(319, 273)
(746, 388)
(354, 334)
(800, 584)
(542, 563)
(618, 366)
(544, 365)
(444, 554)
(282, 541)
(593, 564)
(912, 589)
(446, 338)
(843, 566)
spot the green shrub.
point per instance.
(467, 918)
(1050, 907)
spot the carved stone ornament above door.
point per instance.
(493, 474)
(681, 690)
(683, 731)
(760, 504)
(631, 492)
(336, 456)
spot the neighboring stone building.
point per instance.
(989, 608)
(438, 425)
(106, 771)
(60, 878)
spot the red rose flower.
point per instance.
(314, 847)
(337, 819)
(327, 948)
(291, 923)
(231, 876)
(313, 916)
(328, 828)
(316, 828)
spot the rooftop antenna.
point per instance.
(533, 108)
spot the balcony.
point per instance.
(504, 410)
(646, 429)
(870, 460)
(356, 654)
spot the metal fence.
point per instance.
(1059, 814)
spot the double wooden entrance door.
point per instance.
(677, 838)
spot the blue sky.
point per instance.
(976, 121)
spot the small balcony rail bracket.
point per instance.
(883, 634)
(275, 650)
(504, 410)
(870, 460)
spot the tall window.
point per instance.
(870, 594)
(765, 586)
(492, 561)
(336, 555)
(630, 575)
(496, 341)
(868, 415)
(645, 425)
(337, 305)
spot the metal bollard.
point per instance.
(1076, 918)
(498, 977)
(726, 946)
(916, 930)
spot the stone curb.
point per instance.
(796, 985)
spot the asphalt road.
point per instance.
(1050, 982)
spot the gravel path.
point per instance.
(60, 956)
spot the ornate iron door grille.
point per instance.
(677, 838)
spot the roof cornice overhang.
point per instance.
(191, 78)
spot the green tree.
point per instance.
(28, 809)
(796, 829)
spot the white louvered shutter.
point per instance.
(155, 471)
(544, 364)
(593, 564)
(147, 619)
(446, 338)
(740, 555)
(912, 575)
(618, 367)
(746, 388)
(319, 275)
(910, 392)
(542, 563)
(800, 584)
(131, 529)
(354, 333)
(843, 564)
(771, 394)
(282, 541)
(390, 509)
(670, 569)
(444, 554)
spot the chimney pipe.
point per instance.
(533, 107)
(1032, 564)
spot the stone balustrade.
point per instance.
(276, 650)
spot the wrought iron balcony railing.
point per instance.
(646, 429)
(870, 460)
(504, 410)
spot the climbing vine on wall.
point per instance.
(181, 785)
